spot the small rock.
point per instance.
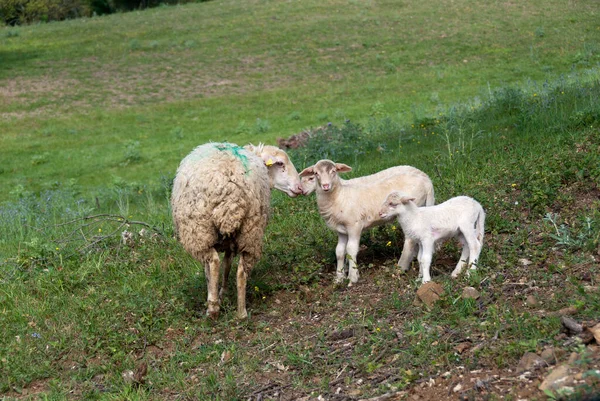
(573, 358)
(595, 331)
(429, 293)
(530, 362)
(531, 301)
(557, 379)
(525, 262)
(457, 388)
(549, 356)
(128, 376)
(470, 293)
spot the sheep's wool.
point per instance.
(221, 200)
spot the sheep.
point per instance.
(461, 217)
(351, 206)
(220, 203)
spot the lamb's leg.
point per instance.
(464, 256)
(409, 251)
(474, 250)
(227, 259)
(420, 252)
(212, 278)
(242, 277)
(352, 252)
(426, 254)
(340, 255)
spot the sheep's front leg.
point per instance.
(352, 252)
(425, 256)
(409, 251)
(227, 259)
(242, 276)
(212, 265)
(340, 255)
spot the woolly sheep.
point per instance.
(351, 206)
(460, 217)
(220, 203)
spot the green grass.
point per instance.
(78, 93)
(100, 111)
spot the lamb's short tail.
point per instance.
(479, 225)
(430, 201)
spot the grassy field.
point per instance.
(500, 102)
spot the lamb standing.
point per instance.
(351, 206)
(220, 203)
(460, 217)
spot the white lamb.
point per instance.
(351, 206)
(220, 203)
(460, 217)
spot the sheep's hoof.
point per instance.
(243, 315)
(213, 315)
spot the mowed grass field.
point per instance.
(499, 101)
(127, 96)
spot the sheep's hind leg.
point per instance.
(409, 251)
(474, 250)
(227, 259)
(212, 265)
(340, 255)
(244, 266)
(464, 256)
(352, 252)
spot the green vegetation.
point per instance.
(98, 112)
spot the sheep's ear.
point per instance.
(342, 168)
(271, 160)
(307, 171)
(406, 199)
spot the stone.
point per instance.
(557, 379)
(531, 301)
(470, 293)
(530, 362)
(429, 293)
(573, 358)
(549, 355)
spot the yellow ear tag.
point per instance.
(269, 162)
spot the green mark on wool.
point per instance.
(235, 151)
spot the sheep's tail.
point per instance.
(479, 225)
(430, 201)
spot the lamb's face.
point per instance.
(309, 184)
(322, 176)
(392, 206)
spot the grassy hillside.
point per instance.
(127, 96)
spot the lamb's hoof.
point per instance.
(243, 315)
(212, 315)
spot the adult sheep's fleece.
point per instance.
(220, 203)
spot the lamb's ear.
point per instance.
(406, 199)
(307, 171)
(342, 168)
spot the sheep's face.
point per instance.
(323, 176)
(282, 173)
(394, 204)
